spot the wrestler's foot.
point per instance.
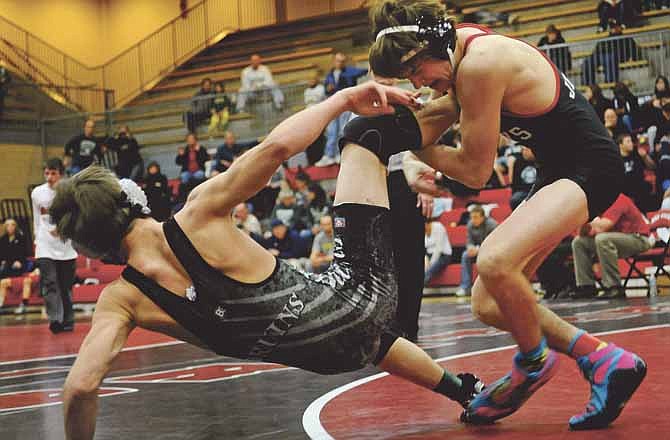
(471, 386)
(614, 375)
(506, 395)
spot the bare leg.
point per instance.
(558, 332)
(27, 287)
(410, 362)
(554, 212)
(5, 283)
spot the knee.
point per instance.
(602, 240)
(483, 306)
(5, 283)
(578, 243)
(492, 265)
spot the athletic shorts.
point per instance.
(598, 170)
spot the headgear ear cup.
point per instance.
(440, 34)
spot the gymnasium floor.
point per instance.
(163, 389)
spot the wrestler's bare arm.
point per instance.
(436, 117)
(480, 96)
(251, 172)
(110, 328)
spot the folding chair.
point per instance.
(660, 228)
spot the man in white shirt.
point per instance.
(247, 221)
(315, 91)
(438, 249)
(56, 258)
(256, 79)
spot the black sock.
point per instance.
(449, 386)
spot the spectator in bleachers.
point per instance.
(246, 221)
(283, 242)
(609, 11)
(620, 232)
(130, 161)
(660, 119)
(264, 202)
(323, 245)
(296, 217)
(523, 170)
(479, 227)
(609, 54)
(108, 157)
(477, 14)
(649, 108)
(192, 159)
(315, 91)
(82, 150)
(228, 151)
(339, 78)
(301, 187)
(257, 79)
(220, 110)
(506, 149)
(438, 249)
(13, 250)
(625, 105)
(613, 124)
(14, 262)
(159, 193)
(5, 79)
(317, 201)
(55, 258)
(594, 95)
(200, 104)
(635, 160)
(561, 56)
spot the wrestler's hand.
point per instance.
(372, 98)
(425, 202)
(421, 177)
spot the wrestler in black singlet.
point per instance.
(327, 323)
(569, 142)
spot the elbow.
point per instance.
(276, 149)
(476, 180)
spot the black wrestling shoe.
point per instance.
(584, 292)
(471, 386)
(55, 327)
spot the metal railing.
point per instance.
(142, 65)
(633, 59)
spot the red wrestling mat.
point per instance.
(31, 341)
(389, 408)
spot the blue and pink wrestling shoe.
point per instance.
(506, 395)
(614, 375)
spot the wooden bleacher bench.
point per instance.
(148, 115)
(645, 45)
(243, 64)
(607, 85)
(533, 5)
(231, 77)
(297, 29)
(188, 95)
(554, 14)
(248, 51)
(593, 22)
(622, 66)
(176, 125)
